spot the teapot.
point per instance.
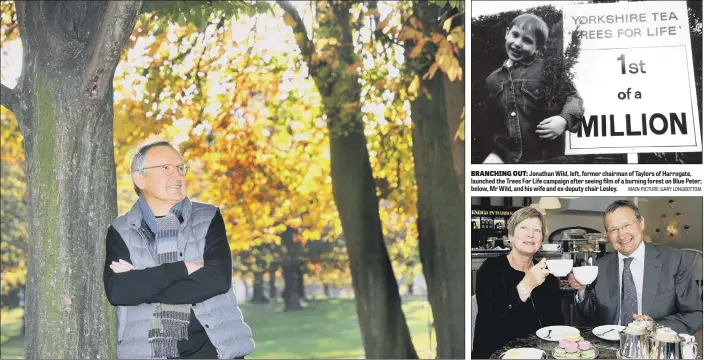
(634, 339)
(634, 344)
(656, 342)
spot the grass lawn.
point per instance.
(325, 329)
(11, 342)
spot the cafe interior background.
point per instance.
(576, 224)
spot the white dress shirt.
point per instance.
(637, 269)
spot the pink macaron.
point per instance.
(584, 345)
(570, 346)
(563, 343)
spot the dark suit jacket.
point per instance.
(670, 295)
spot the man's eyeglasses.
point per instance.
(168, 169)
(623, 228)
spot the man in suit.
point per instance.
(639, 279)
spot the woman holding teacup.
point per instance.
(516, 294)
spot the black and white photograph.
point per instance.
(550, 286)
(586, 82)
(499, 224)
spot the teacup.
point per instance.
(552, 247)
(560, 267)
(585, 274)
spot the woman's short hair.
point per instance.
(524, 214)
(534, 24)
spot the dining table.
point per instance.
(607, 349)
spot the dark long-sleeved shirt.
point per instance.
(517, 105)
(171, 284)
(502, 315)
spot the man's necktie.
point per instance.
(629, 297)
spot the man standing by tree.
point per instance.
(168, 269)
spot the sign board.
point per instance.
(636, 77)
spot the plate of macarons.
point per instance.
(575, 347)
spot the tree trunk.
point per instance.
(64, 106)
(384, 329)
(272, 284)
(258, 289)
(440, 206)
(326, 290)
(454, 103)
(382, 322)
(292, 295)
(291, 265)
(301, 283)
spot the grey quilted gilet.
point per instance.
(220, 315)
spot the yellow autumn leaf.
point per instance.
(446, 25)
(335, 64)
(315, 58)
(288, 19)
(350, 106)
(431, 71)
(413, 88)
(418, 49)
(410, 33)
(460, 130)
(383, 23)
(352, 69)
(457, 37)
(454, 73)
(437, 38)
(416, 22)
(373, 12)
(444, 57)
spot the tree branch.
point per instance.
(158, 5)
(306, 45)
(9, 98)
(117, 24)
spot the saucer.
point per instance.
(611, 335)
(524, 353)
(558, 332)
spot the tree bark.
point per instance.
(440, 205)
(292, 295)
(258, 289)
(454, 103)
(326, 290)
(272, 285)
(291, 264)
(382, 322)
(64, 106)
(301, 283)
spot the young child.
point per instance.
(521, 128)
